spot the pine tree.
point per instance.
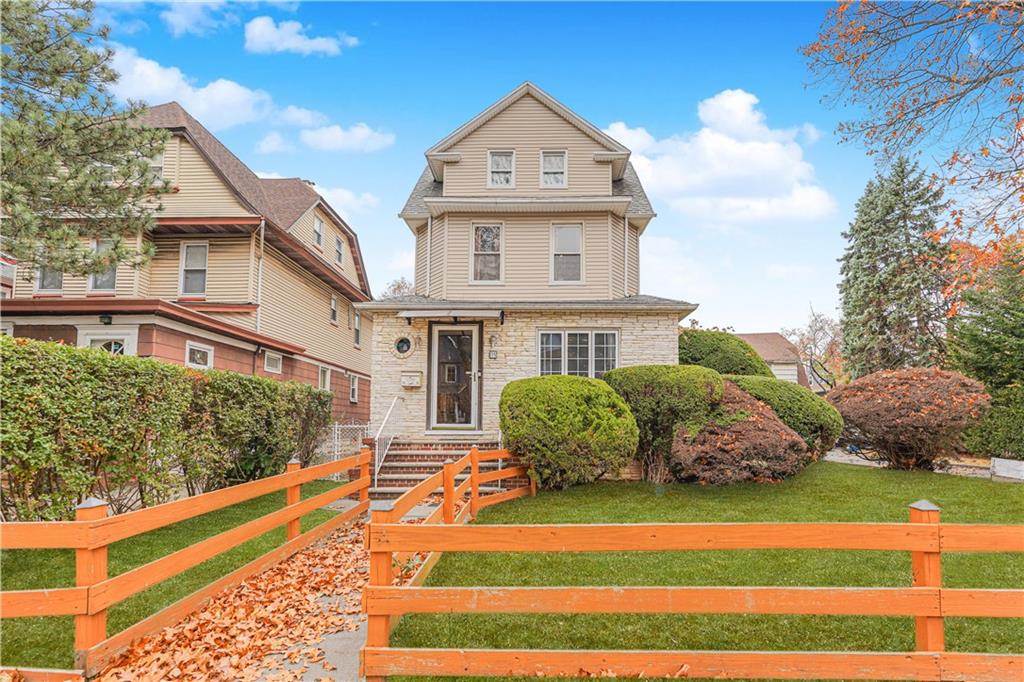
(74, 163)
(894, 311)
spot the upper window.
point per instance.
(103, 281)
(334, 309)
(567, 253)
(579, 353)
(318, 231)
(49, 279)
(353, 389)
(552, 170)
(339, 252)
(325, 378)
(272, 362)
(156, 165)
(487, 253)
(198, 356)
(357, 328)
(501, 167)
(193, 269)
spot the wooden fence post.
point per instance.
(292, 496)
(364, 472)
(378, 627)
(929, 631)
(448, 503)
(90, 568)
(474, 481)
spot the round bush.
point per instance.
(660, 397)
(817, 422)
(568, 429)
(721, 351)
(742, 441)
(1000, 432)
(911, 418)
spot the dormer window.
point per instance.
(552, 170)
(318, 231)
(501, 166)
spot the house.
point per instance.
(527, 222)
(781, 355)
(253, 275)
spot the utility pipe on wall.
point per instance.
(259, 274)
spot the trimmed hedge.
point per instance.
(1001, 431)
(568, 429)
(660, 397)
(817, 422)
(721, 351)
(134, 431)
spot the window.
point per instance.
(552, 170)
(156, 166)
(325, 378)
(357, 328)
(339, 253)
(567, 253)
(272, 362)
(112, 346)
(578, 352)
(103, 281)
(334, 309)
(501, 169)
(49, 280)
(194, 258)
(116, 339)
(353, 389)
(318, 231)
(487, 253)
(198, 356)
(451, 373)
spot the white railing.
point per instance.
(389, 429)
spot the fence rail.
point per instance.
(93, 531)
(926, 600)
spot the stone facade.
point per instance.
(645, 338)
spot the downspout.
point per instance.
(259, 275)
(625, 255)
(430, 225)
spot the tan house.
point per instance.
(253, 275)
(527, 222)
(781, 355)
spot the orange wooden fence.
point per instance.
(926, 600)
(93, 531)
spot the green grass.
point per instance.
(49, 642)
(823, 492)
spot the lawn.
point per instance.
(49, 642)
(823, 492)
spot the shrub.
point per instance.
(660, 397)
(817, 422)
(721, 351)
(911, 418)
(1000, 432)
(742, 441)
(568, 429)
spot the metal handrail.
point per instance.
(381, 441)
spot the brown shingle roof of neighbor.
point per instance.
(772, 346)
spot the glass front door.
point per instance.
(455, 376)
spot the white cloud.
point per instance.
(787, 271)
(346, 202)
(735, 169)
(197, 18)
(403, 262)
(219, 104)
(298, 116)
(264, 35)
(670, 270)
(357, 138)
(272, 143)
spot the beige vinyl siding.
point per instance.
(199, 191)
(527, 260)
(438, 242)
(303, 230)
(420, 273)
(787, 371)
(634, 262)
(227, 268)
(296, 307)
(527, 127)
(75, 286)
(616, 258)
(247, 320)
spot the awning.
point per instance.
(455, 312)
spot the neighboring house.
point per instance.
(527, 222)
(252, 275)
(780, 354)
(8, 267)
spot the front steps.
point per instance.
(411, 460)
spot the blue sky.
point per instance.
(751, 185)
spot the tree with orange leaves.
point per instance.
(944, 77)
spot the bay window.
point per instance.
(576, 352)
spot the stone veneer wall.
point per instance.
(644, 339)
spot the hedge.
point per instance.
(721, 351)
(817, 422)
(136, 432)
(568, 429)
(1000, 432)
(660, 397)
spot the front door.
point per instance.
(455, 376)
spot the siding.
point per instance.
(547, 131)
(786, 371)
(303, 230)
(75, 286)
(634, 262)
(527, 260)
(200, 191)
(438, 259)
(616, 258)
(296, 307)
(420, 274)
(227, 275)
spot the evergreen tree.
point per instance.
(74, 164)
(894, 311)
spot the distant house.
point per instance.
(780, 354)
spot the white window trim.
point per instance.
(266, 362)
(181, 269)
(589, 331)
(353, 388)
(319, 379)
(6, 329)
(339, 251)
(332, 312)
(565, 172)
(501, 253)
(129, 333)
(357, 329)
(39, 278)
(90, 286)
(491, 152)
(551, 256)
(317, 220)
(189, 345)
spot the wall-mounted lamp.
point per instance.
(493, 340)
(106, 319)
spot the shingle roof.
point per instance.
(772, 346)
(640, 301)
(426, 186)
(630, 186)
(290, 198)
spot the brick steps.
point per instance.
(411, 460)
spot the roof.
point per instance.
(641, 302)
(290, 198)
(772, 346)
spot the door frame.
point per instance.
(433, 327)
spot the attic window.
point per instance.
(318, 231)
(339, 253)
(552, 170)
(501, 166)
